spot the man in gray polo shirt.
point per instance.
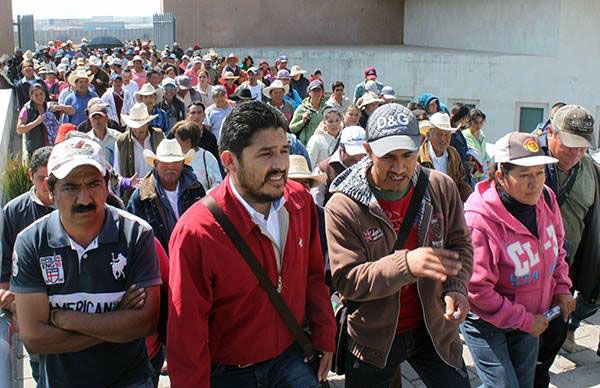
(86, 279)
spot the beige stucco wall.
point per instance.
(236, 23)
(6, 27)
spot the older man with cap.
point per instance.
(291, 96)
(575, 180)
(86, 126)
(152, 97)
(140, 136)
(437, 153)
(401, 258)
(218, 111)
(166, 193)
(309, 114)
(118, 99)
(172, 106)
(80, 96)
(349, 152)
(86, 279)
(360, 89)
(29, 78)
(186, 92)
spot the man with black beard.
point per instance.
(223, 330)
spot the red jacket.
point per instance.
(218, 313)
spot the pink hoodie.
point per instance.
(515, 274)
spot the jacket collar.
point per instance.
(148, 187)
(236, 212)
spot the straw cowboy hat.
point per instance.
(79, 73)
(169, 151)
(368, 98)
(441, 121)
(277, 84)
(138, 116)
(229, 75)
(299, 171)
(297, 70)
(148, 90)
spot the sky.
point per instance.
(63, 9)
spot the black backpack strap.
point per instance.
(263, 278)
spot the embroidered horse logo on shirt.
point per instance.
(118, 266)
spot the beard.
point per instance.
(255, 190)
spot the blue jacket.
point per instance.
(293, 98)
(150, 203)
(459, 143)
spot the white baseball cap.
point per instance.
(353, 138)
(75, 152)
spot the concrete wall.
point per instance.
(508, 26)
(286, 22)
(43, 36)
(7, 41)
(499, 83)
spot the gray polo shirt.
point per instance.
(91, 280)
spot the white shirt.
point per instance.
(270, 223)
(256, 90)
(81, 251)
(132, 87)
(173, 197)
(440, 163)
(140, 166)
(108, 143)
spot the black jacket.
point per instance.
(585, 271)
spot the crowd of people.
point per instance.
(232, 223)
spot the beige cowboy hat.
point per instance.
(296, 70)
(277, 84)
(169, 151)
(368, 98)
(148, 90)
(233, 56)
(79, 73)
(424, 127)
(28, 55)
(441, 120)
(299, 171)
(229, 75)
(138, 116)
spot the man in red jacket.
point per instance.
(223, 330)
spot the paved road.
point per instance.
(580, 369)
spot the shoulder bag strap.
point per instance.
(413, 208)
(240, 244)
(563, 194)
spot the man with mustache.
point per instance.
(86, 279)
(168, 191)
(404, 284)
(223, 330)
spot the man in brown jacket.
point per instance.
(408, 302)
(437, 153)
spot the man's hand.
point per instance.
(540, 324)
(135, 181)
(434, 263)
(324, 366)
(567, 303)
(7, 300)
(306, 117)
(133, 299)
(457, 307)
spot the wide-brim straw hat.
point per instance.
(169, 151)
(299, 170)
(441, 120)
(368, 98)
(138, 116)
(148, 90)
(79, 73)
(296, 70)
(229, 75)
(277, 84)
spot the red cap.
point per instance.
(370, 73)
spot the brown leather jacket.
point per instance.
(455, 168)
(366, 269)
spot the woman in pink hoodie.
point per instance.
(519, 268)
